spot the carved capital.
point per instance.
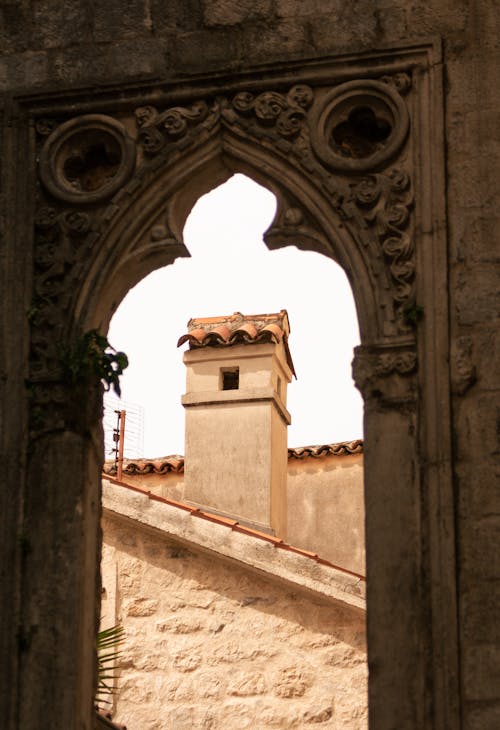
(386, 373)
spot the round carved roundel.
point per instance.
(87, 159)
(359, 125)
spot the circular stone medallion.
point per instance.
(359, 126)
(87, 159)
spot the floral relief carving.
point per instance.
(157, 129)
(401, 82)
(385, 373)
(58, 244)
(343, 139)
(385, 201)
(285, 113)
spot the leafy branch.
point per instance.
(413, 313)
(92, 355)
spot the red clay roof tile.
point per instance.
(166, 464)
(237, 329)
(344, 448)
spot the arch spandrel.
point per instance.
(343, 186)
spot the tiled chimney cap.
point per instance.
(239, 329)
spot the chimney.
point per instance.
(238, 369)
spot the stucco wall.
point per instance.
(212, 645)
(324, 503)
(326, 508)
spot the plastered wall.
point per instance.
(324, 504)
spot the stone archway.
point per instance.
(350, 149)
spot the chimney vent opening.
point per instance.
(230, 378)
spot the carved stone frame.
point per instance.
(378, 210)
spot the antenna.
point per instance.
(133, 445)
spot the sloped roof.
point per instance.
(175, 463)
(239, 329)
(234, 526)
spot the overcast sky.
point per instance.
(230, 270)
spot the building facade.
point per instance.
(375, 124)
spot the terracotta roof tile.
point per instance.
(175, 463)
(235, 526)
(161, 465)
(343, 448)
(237, 328)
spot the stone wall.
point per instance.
(212, 645)
(58, 47)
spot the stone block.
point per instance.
(113, 20)
(486, 351)
(477, 297)
(479, 543)
(467, 184)
(299, 8)
(478, 604)
(141, 607)
(478, 490)
(269, 41)
(481, 667)
(476, 239)
(352, 24)
(477, 424)
(184, 624)
(205, 50)
(15, 22)
(186, 661)
(176, 15)
(482, 718)
(228, 12)
(316, 715)
(246, 684)
(36, 68)
(61, 24)
(291, 682)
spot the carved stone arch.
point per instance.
(352, 149)
(146, 232)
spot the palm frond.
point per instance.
(107, 639)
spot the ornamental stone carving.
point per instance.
(386, 373)
(87, 159)
(346, 139)
(359, 126)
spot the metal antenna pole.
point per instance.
(121, 443)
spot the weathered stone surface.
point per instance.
(483, 718)
(482, 671)
(255, 656)
(52, 48)
(226, 12)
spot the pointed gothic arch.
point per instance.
(118, 176)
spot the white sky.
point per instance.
(230, 270)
